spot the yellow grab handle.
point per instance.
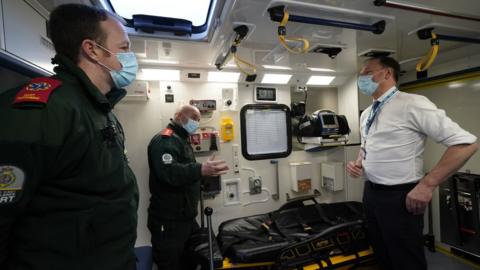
(283, 40)
(239, 62)
(427, 60)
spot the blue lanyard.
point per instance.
(375, 110)
(371, 117)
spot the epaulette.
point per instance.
(168, 132)
(36, 93)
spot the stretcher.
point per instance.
(338, 262)
(302, 234)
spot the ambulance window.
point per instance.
(195, 11)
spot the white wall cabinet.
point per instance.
(2, 33)
(25, 34)
(137, 91)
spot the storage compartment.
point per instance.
(26, 34)
(459, 212)
(301, 176)
(137, 91)
(2, 33)
(333, 176)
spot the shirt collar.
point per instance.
(67, 69)
(382, 97)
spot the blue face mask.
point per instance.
(191, 126)
(128, 73)
(366, 84)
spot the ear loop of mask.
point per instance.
(107, 50)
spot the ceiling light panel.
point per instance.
(276, 67)
(276, 78)
(320, 80)
(321, 69)
(151, 61)
(151, 74)
(215, 76)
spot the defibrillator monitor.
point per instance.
(329, 122)
(265, 94)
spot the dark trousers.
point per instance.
(395, 234)
(169, 243)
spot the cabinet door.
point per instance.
(26, 34)
(2, 33)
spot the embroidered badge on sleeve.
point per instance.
(11, 183)
(167, 159)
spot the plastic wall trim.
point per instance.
(462, 75)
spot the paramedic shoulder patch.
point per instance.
(37, 91)
(167, 132)
(11, 183)
(167, 159)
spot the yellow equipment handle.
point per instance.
(283, 40)
(428, 59)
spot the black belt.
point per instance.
(408, 186)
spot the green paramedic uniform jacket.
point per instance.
(174, 176)
(68, 199)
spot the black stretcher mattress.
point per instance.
(295, 232)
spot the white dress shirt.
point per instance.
(394, 145)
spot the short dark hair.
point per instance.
(389, 62)
(71, 24)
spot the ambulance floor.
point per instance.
(442, 259)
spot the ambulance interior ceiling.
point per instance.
(261, 46)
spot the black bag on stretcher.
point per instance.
(296, 234)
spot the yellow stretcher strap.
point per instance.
(264, 225)
(427, 60)
(283, 40)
